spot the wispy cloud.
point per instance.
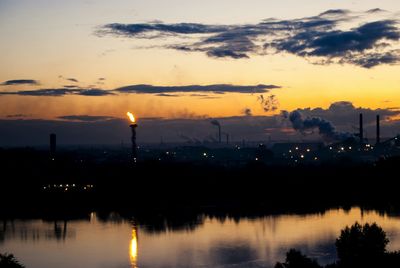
(359, 46)
(141, 29)
(85, 118)
(20, 82)
(161, 91)
(16, 115)
(219, 89)
(321, 39)
(72, 80)
(58, 92)
(168, 95)
(69, 79)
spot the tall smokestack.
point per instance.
(216, 123)
(219, 134)
(133, 139)
(53, 146)
(378, 129)
(133, 127)
(361, 129)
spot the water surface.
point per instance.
(203, 242)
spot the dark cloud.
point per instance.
(223, 52)
(220, 41)
(41, 92)
(376, 10)
(94, 92)
(318, 38)
(72, 80)
(138, 30)
(222, 88)
(20, 82)
(335, 12)
(58, 92)
(345, 45)
(369, 60)
(85, 118)
(163, 91)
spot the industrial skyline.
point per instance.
(328, 126)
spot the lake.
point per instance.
(204, 241)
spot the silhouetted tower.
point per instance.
(227, 139)
(133, 127)
(219, 134)
(216, 123)
(378, 129)
(53, 146)
(361, 129)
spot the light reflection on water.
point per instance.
(212, 242)
(133, 248)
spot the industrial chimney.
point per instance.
(219, 134)
(133, 127)
(133, 139)
(361, 129)
(216, 123)
(378, 129)
(53, 146)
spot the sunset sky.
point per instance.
(86, 60)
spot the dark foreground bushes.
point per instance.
(359, 246)
(9, 261)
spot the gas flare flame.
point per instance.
(131, 117)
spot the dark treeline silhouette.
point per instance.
(30, 178)
(167, 195)
(359, 246)
(9, 261)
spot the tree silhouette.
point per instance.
(295, 259)
(9, 261)
(361, 245)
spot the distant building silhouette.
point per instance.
(361, 129)
(133, 127)
(53, 146)
(378, 129)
